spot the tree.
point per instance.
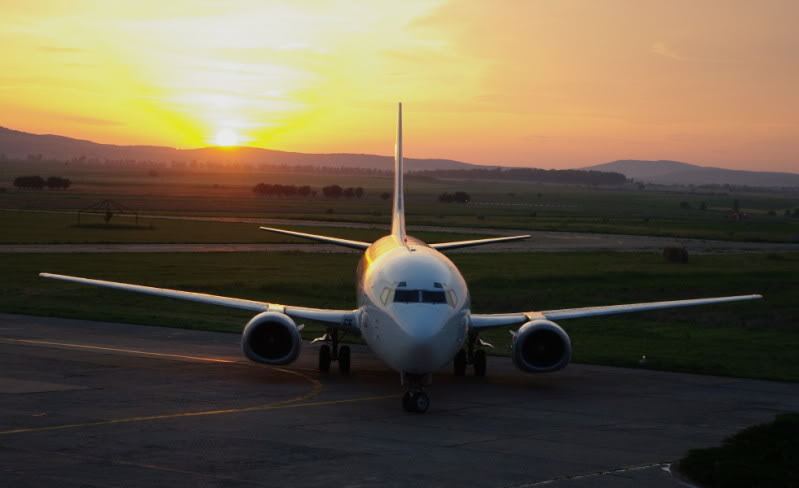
(54, 183)
(358, 192)
(685, 205)
(385, 195)
(349, 192)
(333, 191)
(702, 206)
(462, 197)
(35, 182)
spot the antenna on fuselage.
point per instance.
(398, 213)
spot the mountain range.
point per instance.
(18, 145)
(675, 172)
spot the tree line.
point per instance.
(564, 176)
(332, 191)
(37, 182)
(283, 190)
(335, 191)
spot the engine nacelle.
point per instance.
(271, 338)
(541, 346)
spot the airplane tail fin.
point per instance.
(398, 211)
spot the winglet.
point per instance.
(398, 212)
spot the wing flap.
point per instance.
(445, 246)
(344, 319)
(319, 238)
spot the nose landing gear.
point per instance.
(415, 400)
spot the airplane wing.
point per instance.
(444, 246)
(326, 239)
(342, 319)
(482, 321)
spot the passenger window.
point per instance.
(433, 296)
(406, 296)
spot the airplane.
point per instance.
(413, 311)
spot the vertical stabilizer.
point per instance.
(398, 212)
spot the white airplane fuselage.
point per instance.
(414, 305)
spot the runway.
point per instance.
(101, 404)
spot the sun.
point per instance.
(227, 137)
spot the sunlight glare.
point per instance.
(227, 137)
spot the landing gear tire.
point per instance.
(480, 363)
(324, 358)
(459, 363)
(344, 360)
(415, 401)
(406, 401)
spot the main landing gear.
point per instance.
(415, 400)
(333, 352)
(470, 356)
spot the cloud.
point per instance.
(663, 49)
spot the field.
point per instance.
(752, 339)
(21, 227)
(495, 204)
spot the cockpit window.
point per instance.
(406, 296)
(433, 296)
(415, 296)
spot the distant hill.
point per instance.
(675, 172)
(18, 145)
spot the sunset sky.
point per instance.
(553, 84)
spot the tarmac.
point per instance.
(95, 404)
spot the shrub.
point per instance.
(675, 254)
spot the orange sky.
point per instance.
(551, 84)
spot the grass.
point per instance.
(760, 456)
(752, 339)
(59, 228)
(496, 204)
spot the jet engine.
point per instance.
(271, 338)
(541, 346)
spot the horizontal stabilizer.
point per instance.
(326, 239)
(445, 246)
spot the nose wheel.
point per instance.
(415, 401)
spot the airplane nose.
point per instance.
(426, 343)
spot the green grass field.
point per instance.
(751, 339)
(761, 456)
(495, 204)
(21, 227)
